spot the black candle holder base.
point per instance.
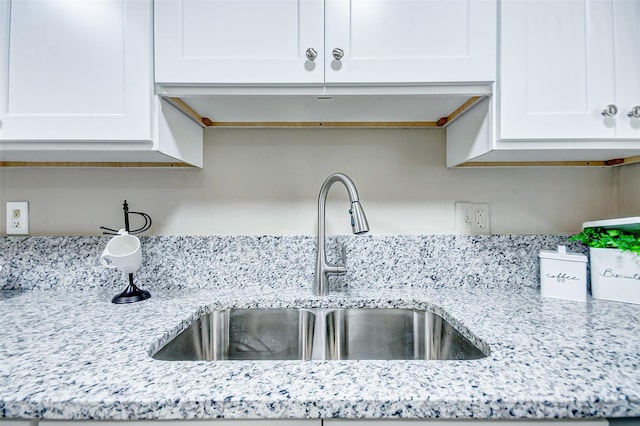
(130, 295)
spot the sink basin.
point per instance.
(319, 334)
(244, 334)
(395, 334)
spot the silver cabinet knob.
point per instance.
(311, 54)
(610, 110)
(635, 112)
(337, 53)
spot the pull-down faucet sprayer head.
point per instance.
(359, 223)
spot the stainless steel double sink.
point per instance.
(319, 334)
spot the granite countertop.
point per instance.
(67, 352)
(75, 355)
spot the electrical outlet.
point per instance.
(481, 218)
(472, 218)
(17, 218)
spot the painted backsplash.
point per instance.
(266, 182)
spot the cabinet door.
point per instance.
(627, 55)
(411, 41)
(556, 69)
(238, 42)
(75, 70)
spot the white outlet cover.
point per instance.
(466, 218)
(482, 209)
(18, 225)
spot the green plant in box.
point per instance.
(609, 238)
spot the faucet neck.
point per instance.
(338, 177)
(358, 222)
(322, 202)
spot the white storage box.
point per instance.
(563, 275)
(615, 274)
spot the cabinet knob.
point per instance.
(337, 53)
(311, 54)
(635, 112)
(610, 110)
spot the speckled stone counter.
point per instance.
(68, 353)
(171, 262)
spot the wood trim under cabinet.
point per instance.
(190, 112)
(623, 161)
(91, 164)
(327, 124)
(533, 164)
(608, 163)
(459, 111)
(206, 122)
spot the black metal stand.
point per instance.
(132, 293)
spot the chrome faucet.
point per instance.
(359, 225)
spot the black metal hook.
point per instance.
(145, 227)
(127, 227)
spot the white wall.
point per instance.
(266, 181)
(629, 191)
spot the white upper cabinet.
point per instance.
(626, 15)
(324, 42)
(71, 70)
(563, 63)
(410, 41)
(238, 42)
(76, 85)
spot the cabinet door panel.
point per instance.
(237, 29)
(627, 41)
(238, 42)
(556, 72)
(73, 70)
(410, 41)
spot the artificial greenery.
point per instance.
(609, 238)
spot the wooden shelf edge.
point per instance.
(624, 161)
(478, 164)
(93, 164)
(206, 122)
(326, 124)
(445, 121)
(188, 111)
